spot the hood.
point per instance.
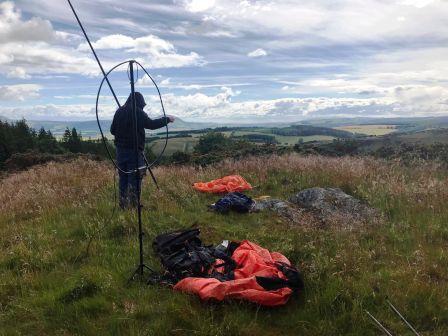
(139, 100)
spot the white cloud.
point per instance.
(116, 41)
(56, 112)
(326, 22)
(199, 5)
(18, 72)
(155, 52)
(418, 3)
(32, 46)
(257, 53)
(222, 108)
(352, 57)
(12, 28)
(145, 81)
(20, 92)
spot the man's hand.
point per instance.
(171, 118)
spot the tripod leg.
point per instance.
(150, 172)
(153, 178)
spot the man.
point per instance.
(123, 129)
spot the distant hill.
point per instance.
(403, 124)
(90, 128)
(2, 118)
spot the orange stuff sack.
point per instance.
(223, 185)
(254, 264)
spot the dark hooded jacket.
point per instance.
(123, 127)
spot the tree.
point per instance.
(67, 136)
(47, 143)
(212, 141)
(72, 141)
(180, 157)
(76, 142)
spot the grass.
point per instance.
(175, 145)
(377, 130)
(52, 282)
(187, 144)
(284, 139)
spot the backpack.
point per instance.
(182, 255)
(235, 201)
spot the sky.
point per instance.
(239, 61)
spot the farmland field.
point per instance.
(187, 144)
(369, 129)
(283, 139)
(174, 145)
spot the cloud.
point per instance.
(340, 58)
(19, 92)
(18, 72)
(222, 108)
(155, 52)
(418, 3)
(56, 112)
(199, 5)
(257, 53)
(32, 46)
(145, 81)
(328, 22)
(12, 28)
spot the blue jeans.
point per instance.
(128, 184)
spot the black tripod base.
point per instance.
(139, 273)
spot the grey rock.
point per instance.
(284, 209)
(330, 204)
(271, 204)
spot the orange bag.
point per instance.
(253, 261)
(223, 185)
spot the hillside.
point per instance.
(411, 124)
(90, 128)
(64, 260)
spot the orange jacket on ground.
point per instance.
(252, 261)
(224, 185)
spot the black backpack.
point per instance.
(182, 255)
(235, 201)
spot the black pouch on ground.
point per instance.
(182, 255)
(235, 201)
(293, 279)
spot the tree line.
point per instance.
(17, 138)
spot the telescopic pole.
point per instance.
(141, 267)
(94, 53)
(137, 171)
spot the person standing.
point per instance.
(122, 128)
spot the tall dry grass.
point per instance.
(54, 184)
(427, 182)
(51, 185)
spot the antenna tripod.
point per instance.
(140, 270)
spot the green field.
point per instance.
(187, 144)
(65, 261)
(282, 139)
(369, 129)
(174, 145)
